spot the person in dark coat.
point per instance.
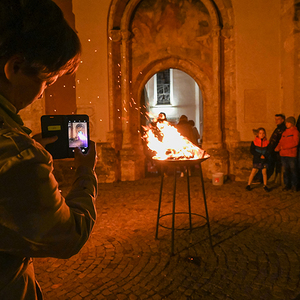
(196, 135)
(274, 161)
(185, 128)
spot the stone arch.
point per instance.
(132, 5)
(124, 119)
(186, 66)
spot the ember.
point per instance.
(168, 144)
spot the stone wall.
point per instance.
(242, 54)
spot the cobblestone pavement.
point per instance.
(255, 255)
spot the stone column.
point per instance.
(213, 143)
(238, 151)
(215, 116)
(114, 136)
(132, 161)
(125, 89)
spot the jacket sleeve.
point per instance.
(36, 220)
(278, 147)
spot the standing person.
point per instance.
(258, 149)
(274, 161)
(36, 47)
(186, 130)
(196, 135)
(161, 117)
(288, 148)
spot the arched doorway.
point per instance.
(175, 93)
(145, 38)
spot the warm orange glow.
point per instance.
(168, 143)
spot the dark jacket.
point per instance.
(186, 130)
(258, 148)
(275, 137)
(35, 219)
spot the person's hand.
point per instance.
(89, 159)
(44, 141)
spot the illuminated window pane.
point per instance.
(163, 87)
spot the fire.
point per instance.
(167, 143)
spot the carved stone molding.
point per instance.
(115, 35)
(126, 35)
(216, 31)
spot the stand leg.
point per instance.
(189, 196)
(206, 211)
(173, 211)
(159, 202)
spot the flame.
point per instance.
(82, 138)
(167, 143)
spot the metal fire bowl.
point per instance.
(178, 162)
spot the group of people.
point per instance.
(281, 153)
(282, 150)
(185, 127)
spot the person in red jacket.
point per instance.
(288, 147)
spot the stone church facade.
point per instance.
(243, 56)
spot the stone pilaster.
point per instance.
(131, 156)
(132, 164)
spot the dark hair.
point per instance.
(37, 30)
(183, 118)
(280, 115)
(192, 122)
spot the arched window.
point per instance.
(163, 87)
